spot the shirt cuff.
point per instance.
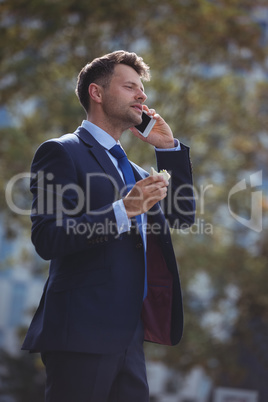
(122, 220)
(177, 147)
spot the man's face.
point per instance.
(123, 98)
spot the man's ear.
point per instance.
(95, 92)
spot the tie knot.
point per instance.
(117, 152)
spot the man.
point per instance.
(113, 279)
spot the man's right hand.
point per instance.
(145, 194)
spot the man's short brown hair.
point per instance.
(101, 69)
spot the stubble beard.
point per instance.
(122, 116)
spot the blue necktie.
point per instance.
(129, 177)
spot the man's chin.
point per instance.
(137, 121)
(134, 122)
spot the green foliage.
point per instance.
(221, 113)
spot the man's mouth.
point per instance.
(137, 107)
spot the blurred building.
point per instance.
(168, 385)
(19, 294)
(20, 291)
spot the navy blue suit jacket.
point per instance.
(93, 298)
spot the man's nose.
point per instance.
(141, 95)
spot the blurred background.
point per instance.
(209, 68)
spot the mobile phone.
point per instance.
(146, 125)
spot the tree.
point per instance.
(203, 55)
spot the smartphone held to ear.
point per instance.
(146, 125)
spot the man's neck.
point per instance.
(109, 127)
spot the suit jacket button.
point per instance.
(138, 245)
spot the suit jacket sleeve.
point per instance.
(179, 205)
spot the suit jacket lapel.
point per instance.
(99, 153)
(137, 175)
(105, 162)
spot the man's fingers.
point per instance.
(154, 180)
(145, 194)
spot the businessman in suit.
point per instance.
(104, 224)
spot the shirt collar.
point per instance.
(103, 138)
